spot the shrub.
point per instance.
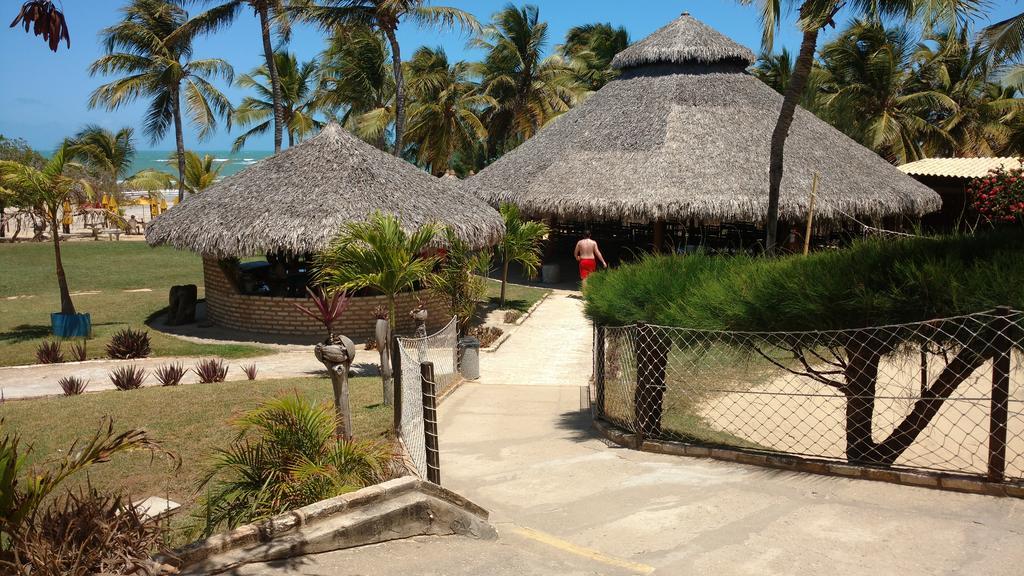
(49, 352)
(874, 282)
(286, 456)
(487, 335)
(999, 196)
(170, 374)
(127, 344)
(87, 532)
(512, 316)
(212, 370)
(128, 377)
(79, 351)
(326, 309)
(72, 385)
(250, 371)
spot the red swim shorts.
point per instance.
(587, 265)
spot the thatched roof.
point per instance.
(688, 137)
(684, 40)
(298, 200)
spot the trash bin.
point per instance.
(469, 354)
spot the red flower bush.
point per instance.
(999, 196)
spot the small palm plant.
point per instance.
(378, 254)
(286, 456)
(522, 244)
(381, 255)
(462, 278)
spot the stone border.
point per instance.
(922, 479)
(289, 523)
(508, 333)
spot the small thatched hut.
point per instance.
(289, 207)
(682, 136)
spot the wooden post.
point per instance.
(810, 215)
(1000, 395)
(599, 336)
(396, 379)
(430, 422)
(651, 359)
(659, 236)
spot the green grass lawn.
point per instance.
(190, 421)
(102, 271)
(517, 296)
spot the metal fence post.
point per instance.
(396, 381)
(1000, 395)
(599, 335)
(651, 359)
(430, 422)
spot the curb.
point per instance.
(917, 478)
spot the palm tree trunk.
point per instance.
(504, 281)
(396, 63)
(275, 81)
(794, 92)
(179, 143)
(66, 305)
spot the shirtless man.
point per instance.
(588, 254)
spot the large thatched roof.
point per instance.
(684, 133)
(298, 200)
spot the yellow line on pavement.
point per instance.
(556, 542)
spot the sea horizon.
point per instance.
(230, 162)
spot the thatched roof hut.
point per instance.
(298, 200)
(684, 133)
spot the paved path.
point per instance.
(564, 502)
(289, 362)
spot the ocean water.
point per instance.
(231, 162)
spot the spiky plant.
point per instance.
(170, 374)
(72, 385)
(128, 377)
(249, 370)
(327, 309)
(49, 352)
(79, 351)
(211, 370)
(127, 344)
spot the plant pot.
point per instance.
(71, 325)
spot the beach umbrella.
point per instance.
(105, 202)
(68, 214)
(163, 204)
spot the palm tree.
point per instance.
(356, 82)
(987, 113)
(377, 254)
(1005, 39)
(522, 243)
(776, 69)
(872, 92)
(386, 15)
(200, 171)
(299, 100)
(591, 48)
(444, 117)
(48, 187)
(142, 48)
(529, 90)
(107, 154)
(815, 15)
(270, 13)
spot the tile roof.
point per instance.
(957, 167)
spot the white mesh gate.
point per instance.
(440, 349)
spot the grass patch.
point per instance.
(517, 296)
(102, 272)
(191, 421)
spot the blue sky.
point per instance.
(44, 95)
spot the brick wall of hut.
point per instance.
(270, 315)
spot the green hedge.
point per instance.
(874, 282)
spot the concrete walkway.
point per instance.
(288, 362)
(519, 443)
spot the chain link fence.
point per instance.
(944, 395)
(416, 419)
